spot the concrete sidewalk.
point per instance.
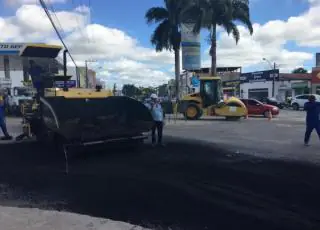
(12, 218)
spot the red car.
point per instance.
(256, 107)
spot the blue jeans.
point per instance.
(3, 126)
(309, 129)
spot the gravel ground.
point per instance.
(182, 186)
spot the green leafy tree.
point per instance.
(163, 90)
(300, 70)
(209, 14)
(131, 90)
(148, 91)
(167, 34)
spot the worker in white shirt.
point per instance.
(158, 117)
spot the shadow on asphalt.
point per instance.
(182, 186)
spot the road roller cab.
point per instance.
(79, 116)
(210, 102)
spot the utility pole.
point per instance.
(87, 79)
(273, 78)
(273, 67)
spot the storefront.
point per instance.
(258, 94)
(258, 84)
(284, 91)
(315, 80)
(300, 88)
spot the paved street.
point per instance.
(282, 137)
(240, 176)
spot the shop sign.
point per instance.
(315, 76)
(69, 84)
(10, 48)
(260, 76)
(191, 47)
(230, 83)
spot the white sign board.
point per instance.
(191, 47)
(10, 48)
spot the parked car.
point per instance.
(256, 107)
(298, 101)
(273, 101)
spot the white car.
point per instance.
(299, 100)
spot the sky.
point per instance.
(115, 36)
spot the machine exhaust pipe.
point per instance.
(65, 88)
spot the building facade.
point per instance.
(271, 83)
(14, 68)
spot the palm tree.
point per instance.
(209, 14)
(167, 35)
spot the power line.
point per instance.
(44, 7)
(55, 15)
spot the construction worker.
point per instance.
(2, 119)
(158, 117)
(312, 107)
(36, 73)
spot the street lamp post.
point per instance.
(274, 66)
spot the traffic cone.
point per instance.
(269, 115)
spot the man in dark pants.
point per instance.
(312, 120)
(158, 116)
(2, 119)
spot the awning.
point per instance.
(40, 51)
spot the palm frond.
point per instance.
(161, 37)
(241, 12)
(156, 14)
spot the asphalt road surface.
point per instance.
(186, 185)
(280, 138)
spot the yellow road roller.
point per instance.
(77, 116)
(209, 101)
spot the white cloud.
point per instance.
(269, 40)
(21, 2)
(125, 59)
(110, 43)
(252, 49)
(25, 26)
(125, 71)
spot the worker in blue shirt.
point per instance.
(312, 107)
(158, 116)
(2, 119)
(36, 73)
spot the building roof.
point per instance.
(295, 76)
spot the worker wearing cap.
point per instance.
(2, 119)
(158, 117)
(312, 107)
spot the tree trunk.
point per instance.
(177, 72)
(213, 50)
